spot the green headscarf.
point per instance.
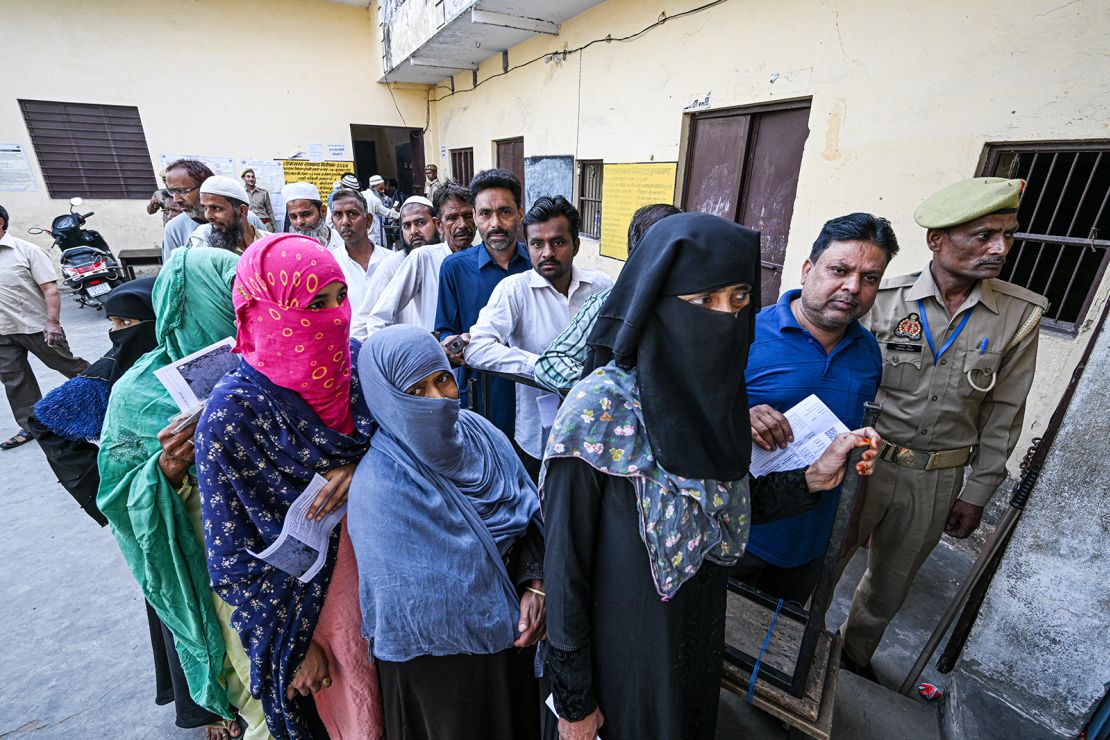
(192, 300)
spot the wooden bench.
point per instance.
(128, 258)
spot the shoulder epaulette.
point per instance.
(899, 281)
(1016, 291)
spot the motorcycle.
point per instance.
(88, 266)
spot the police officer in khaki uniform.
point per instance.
(959, 350)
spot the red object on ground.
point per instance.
(929, 692)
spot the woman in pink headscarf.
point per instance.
(291, 411)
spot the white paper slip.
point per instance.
(551, 705)
(814, 427)
(302, 547)
(191, 379)
(548, 406)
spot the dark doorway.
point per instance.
(742, 164)
(366, 161)
(395, 152)
(510, 156)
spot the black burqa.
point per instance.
(67, 421)
(653, 667)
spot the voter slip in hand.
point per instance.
(302, 547)
(814, 427)
(191, 379)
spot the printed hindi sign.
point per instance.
(15, 172)
(321, 174)
(624, 189)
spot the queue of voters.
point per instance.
(541, 474)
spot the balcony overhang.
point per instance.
(478, 31)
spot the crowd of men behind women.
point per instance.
(487, 561)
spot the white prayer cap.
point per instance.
(376, 180)
(350, 181)
(300, 191)
(225, 186)
(419, 200)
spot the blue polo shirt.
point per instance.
(466, 281)
(787, 364)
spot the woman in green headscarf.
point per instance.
(148, 489)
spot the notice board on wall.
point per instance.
(321, 174)
(548, 176)
(624, 189)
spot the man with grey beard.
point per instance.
(226, 209)
(308, 215)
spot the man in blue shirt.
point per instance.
(811, 342)
(467, 279)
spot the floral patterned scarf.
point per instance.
(683, 521)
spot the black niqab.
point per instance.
(690, 360)
(132, 300)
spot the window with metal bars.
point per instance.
(589, 196)
(1063, 245)
(462, 165)
(93, 151)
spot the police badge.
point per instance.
(909, 327)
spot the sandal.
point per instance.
(222, 730)
(21, 437)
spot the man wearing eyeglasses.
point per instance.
(183, 180)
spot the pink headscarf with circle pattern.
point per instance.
(305, 350)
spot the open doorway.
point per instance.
(394, 152)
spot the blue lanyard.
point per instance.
(929, 333)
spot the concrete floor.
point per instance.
(77, 655)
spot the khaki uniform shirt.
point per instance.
(934, 406)
(260, 206)
(431, 186)
(23, 268)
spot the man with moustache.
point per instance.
(467, 279)
(359, 257)
(526, 311)
(307, 214)
(227, 212)
(812, 343)
(183, 180)
(408, 293)
(959, 352)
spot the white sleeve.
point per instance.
(374, 288)
(393, 297)
(490, 336)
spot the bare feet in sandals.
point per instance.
(222, 730)
(21, 437)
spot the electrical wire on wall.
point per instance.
(564, 53)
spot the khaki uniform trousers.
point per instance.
(904, 514)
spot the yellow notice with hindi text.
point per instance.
(626, 188)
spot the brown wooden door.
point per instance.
(510, 156)
(743, 165)
(716, 164)
(774, 159)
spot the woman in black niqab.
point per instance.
(645, 487)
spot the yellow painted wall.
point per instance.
(904, 96)
(243, 79)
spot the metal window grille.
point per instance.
(589, 196)
(1063, 247)
(94, 151)
(462, 166)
